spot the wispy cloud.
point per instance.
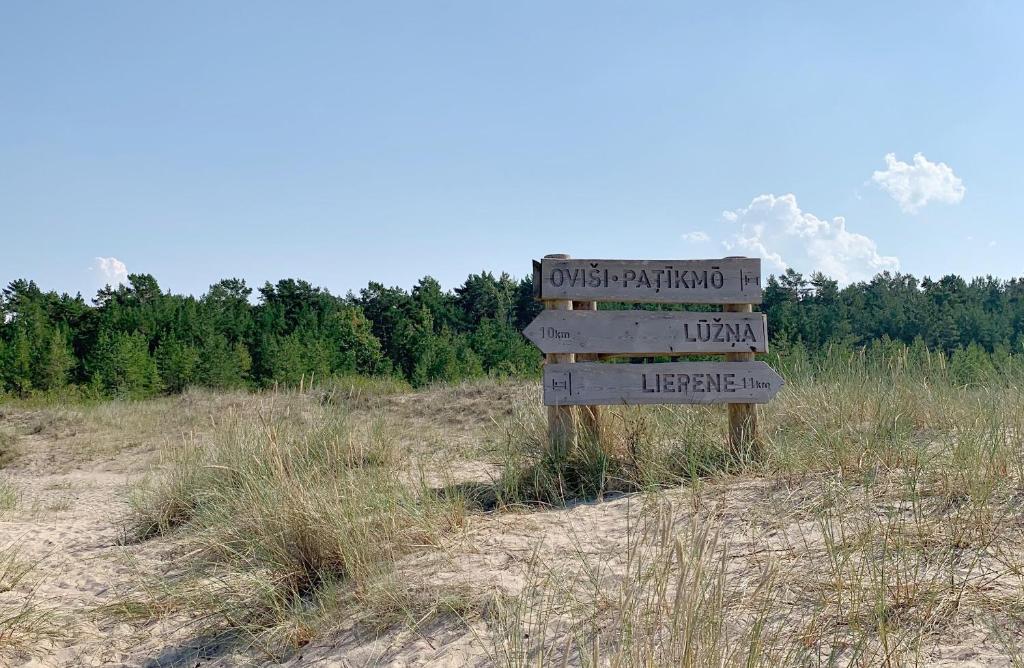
(113, 270)
(696, 237)
(777, 230)
(915, 185)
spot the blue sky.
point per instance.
(342, 142)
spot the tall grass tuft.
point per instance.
(665, 601)
(9, 449)
(638, 448)
(26, 624)
(9, 495)
(360, 391)
(893, 487)
(889, 488)
(293, 502)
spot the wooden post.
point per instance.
(590, 416)
(561, 426)
(743, 440)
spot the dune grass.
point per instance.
(9, 449)
(666, 600)
(26, 623)
(885, 520)
(294, 508)
(638, 449)
(9, 496)
(895, 497)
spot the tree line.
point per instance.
(137, 340)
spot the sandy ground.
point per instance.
(70, 523)
(68, 526)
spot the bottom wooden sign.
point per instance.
(596, 383)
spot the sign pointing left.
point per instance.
(648, 332)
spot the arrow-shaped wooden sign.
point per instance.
(593, 383)
(648, 332)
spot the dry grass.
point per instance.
(26, 623)
(665, 600)
(882, 526)
(289, 508)
(891, 499)
(893, 495)
(8, 495)
(639, 448)
(9, 449)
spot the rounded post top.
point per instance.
(557, 256)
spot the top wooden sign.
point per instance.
(725, 281)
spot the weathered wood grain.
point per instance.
(561, 424)
(590, 416)
(743, 437)
(663, 383)
(724, 281)
(647, 332)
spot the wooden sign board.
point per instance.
(648, 332)
(594, 383)
(725, 281)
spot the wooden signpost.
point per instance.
(573, 334)
(727, 281)
(587, 383)
(648, 332)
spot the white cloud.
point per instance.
(777, 230)
(914, 186)
(113, 270)
(696, 236)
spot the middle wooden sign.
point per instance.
(648, 332)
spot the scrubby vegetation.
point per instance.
(8, 447)
(288, 503)
(353, 495)
(890, 493)
(882, 525)
(27, 622)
